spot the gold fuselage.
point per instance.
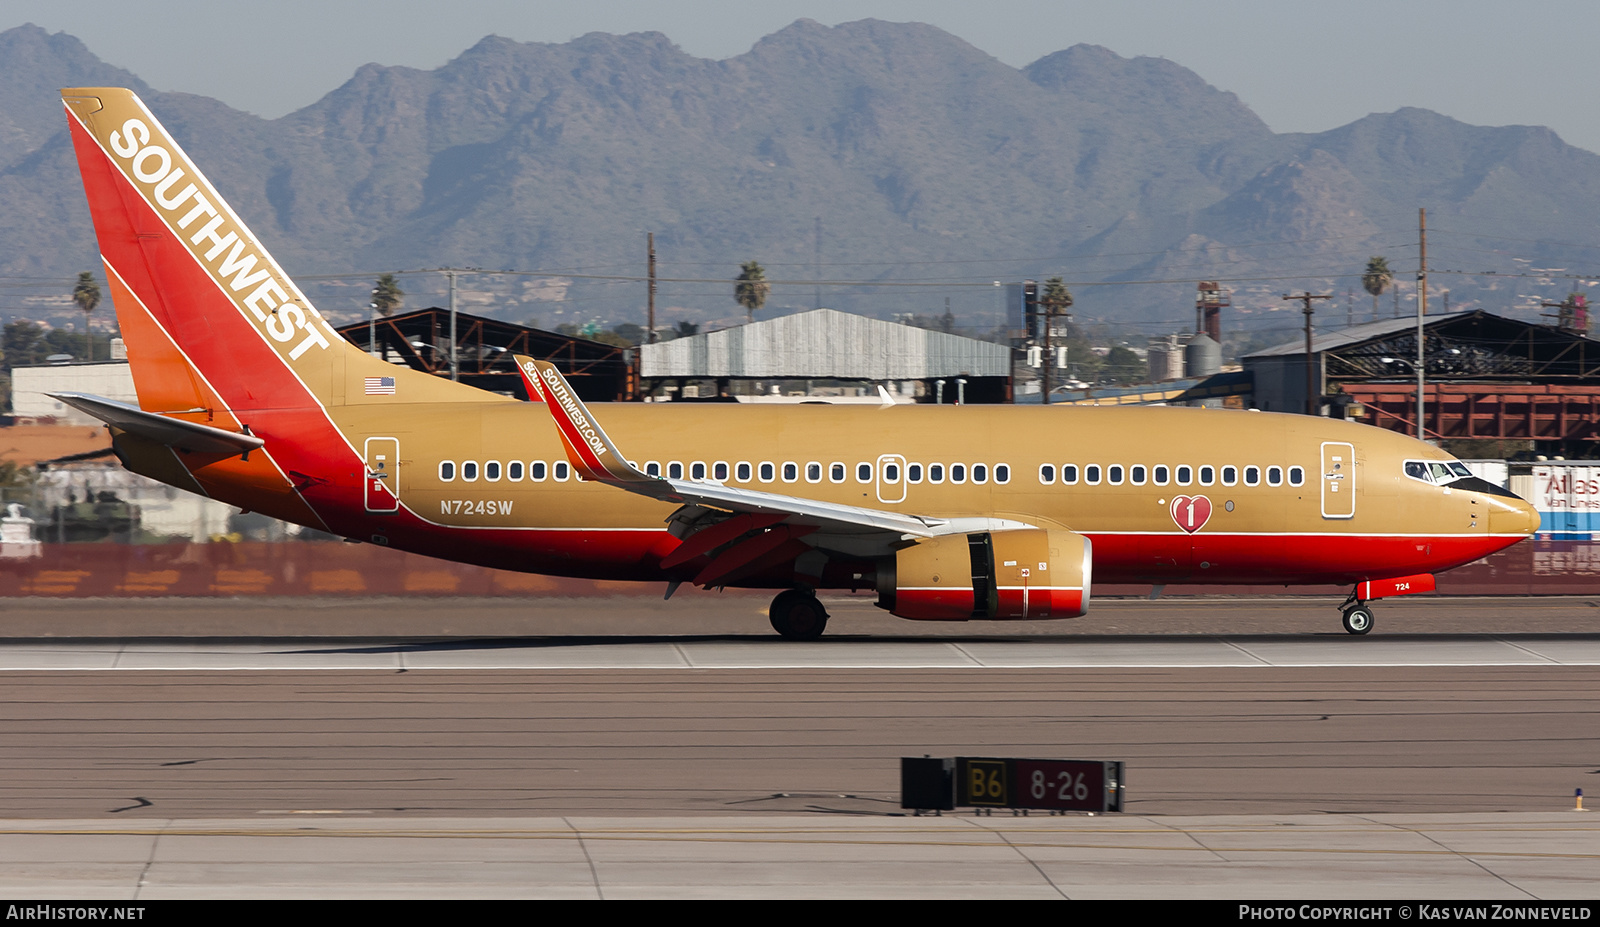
(1417, 526)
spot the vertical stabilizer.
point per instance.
(177, 253)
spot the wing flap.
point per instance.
(706, 539)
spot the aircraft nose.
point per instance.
(1513, 516)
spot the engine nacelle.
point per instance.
(1026, 574)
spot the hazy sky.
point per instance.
(1302, 66)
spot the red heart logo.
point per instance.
(1191, 512)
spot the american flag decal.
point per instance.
(380, 386)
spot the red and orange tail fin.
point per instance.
(209, 317)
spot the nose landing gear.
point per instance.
(1357, 618)
(797, 615)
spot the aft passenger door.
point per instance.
(383, 474)
(1338, 480)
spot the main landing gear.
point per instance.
(1357, 616)
(797, 615)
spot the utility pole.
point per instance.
(1422, 309)
(1045, 360)
(816, 259)
(1311, 388)
(455, 361)
(650, 322)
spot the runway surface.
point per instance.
(711, 613)
(611, 757)
(651, 742)
(753, 653)
(1520, 859)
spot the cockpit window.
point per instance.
(1435, 471)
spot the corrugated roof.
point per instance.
(825, 344)
(1331, 341)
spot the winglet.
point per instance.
(589, 450)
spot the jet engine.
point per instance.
(1023, 574)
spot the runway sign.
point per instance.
(1005, 782)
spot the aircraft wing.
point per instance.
(595, 457)
(173, 432)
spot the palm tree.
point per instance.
(1377, 279)
(87, 295)
(1056, 298)
(750, 288)
(386, 298)
(387, 295)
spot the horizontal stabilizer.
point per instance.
(173, 432)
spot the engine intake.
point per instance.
(1028, 574)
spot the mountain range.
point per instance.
(896, 152)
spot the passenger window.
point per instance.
(958, 473)
(469, 470)
(791, 472)
(936, 473)
(1114, 474)
(863, 473)
(562, 471)
(697, 470)
(836, 472)
(447, 470)
(537, 471)
(1136, 475)
(913, 473)
(741, 471)
(1091, 474)
(891, 472)
(1297, 476)
(765, 470)
(514, 471)
(674, 470)
(653, 468)
(1047, 474)
(1163, 476)
(719, 471)
(1002, 473)
(1230, 476)
(1252, 476)
(1274, 476)
(1208, 475)
(491, 471)
(813, 472)
(980, 473)
(1069, 474)
(1185, 475)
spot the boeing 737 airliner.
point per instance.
(246, 394)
